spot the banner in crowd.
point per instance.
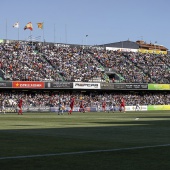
(154, 51)
(121, 49)
(85, 85)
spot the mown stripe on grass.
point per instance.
(82, 152)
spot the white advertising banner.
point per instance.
(133, 108)
(85, 85)
(122, 49)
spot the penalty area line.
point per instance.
(82, 152)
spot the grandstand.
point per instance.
(49, 67)
(26, 61)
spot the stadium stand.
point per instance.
(26, 62)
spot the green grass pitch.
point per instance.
(85, 141)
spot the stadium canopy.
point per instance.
(123, 44)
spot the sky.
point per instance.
(104, 21)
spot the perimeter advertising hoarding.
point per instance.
(158, 107)
(7, 84)
(123, 86)
(133, 108)
(28, 84)
(107, 86)
(158, 86)
(58, 85)
(86, 85)
(82, 85)
(75, 109)
(137, 86)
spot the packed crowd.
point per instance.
(136, 67)
(74, 64)
(20, 61)
(50, 98)
(36, 62)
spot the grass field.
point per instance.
(85, 141)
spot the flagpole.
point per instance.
(18, 33)
(43, 32)
(66, 33)
(6, 29)
(54, 33)
(83, 43)
(86, 39)
(18, 29)
(31, 39)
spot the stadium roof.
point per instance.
(123, 44)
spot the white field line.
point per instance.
(82, 152)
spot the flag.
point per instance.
(16, 25)
(29, 26)
(40, 25)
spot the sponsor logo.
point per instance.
(27, 84)
(81, 85)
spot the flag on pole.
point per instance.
(16, 25)
(29, 26)
(40, 25)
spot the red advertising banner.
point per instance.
(28, 84)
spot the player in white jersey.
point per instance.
(98, 106)
(110, 107)
(3, 106)
(137, 108)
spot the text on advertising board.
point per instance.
(84, 85)
(58, 85)
(28, 84)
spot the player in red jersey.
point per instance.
(104, 106)
(82, 107)
(20, 107)
(71, 105)
(122, 105)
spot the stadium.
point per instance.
(44, 74)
